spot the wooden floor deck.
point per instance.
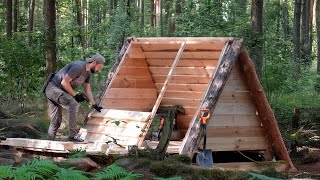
(91, 148)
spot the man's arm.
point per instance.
(87, 90)
(67, 86)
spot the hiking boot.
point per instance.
(75, 139)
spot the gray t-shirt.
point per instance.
(77, 71)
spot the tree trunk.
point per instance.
(257, 31)
(49, 10)
(178, 11)
(311, 28)
(79, 17)
(153, 13)
(31, 15)
(142, 13)
(161, 17)
(305, 31)
(190, 143)
(15, 15)
(9, 19)
(285, 18)
(296, 38)
(318, 34)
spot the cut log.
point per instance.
(227, 61)
(264, 110)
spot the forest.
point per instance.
(282, 37)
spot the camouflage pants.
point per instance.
(58, 99)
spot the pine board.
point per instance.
(235, 108)
(175, 47)
(125, 103)
(183, 94)
(183, 79)
(183, 102)
(135, 52)
(185, 55)
(131, 93)
(183, 62)
(183, 87)
(115, 131)
(134, 72)
(235, 143)
(135, 62)
(182, 71)
(232, 131)
(125, 82)
(113, 122)
(120, 114)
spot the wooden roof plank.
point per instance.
(164, 88)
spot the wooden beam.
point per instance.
(147, 47)
(186, 55)
(219, 79)
(163, 90)
(162, 62)
(264, 110)
(191, 40)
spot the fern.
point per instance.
(173, 178)
(69, 174)
(111, 172)
(6, 172)
(78, 153)
(37, 168)
(132, 176)
(115, 172)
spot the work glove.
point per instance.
(96, 107)
(79, 97)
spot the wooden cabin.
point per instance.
(196, 73)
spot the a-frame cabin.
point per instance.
(196, 73)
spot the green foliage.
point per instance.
(254, 176)
(77, 153)
(181, 158)
(219, 174)
(272, 172)
(115, 172)
(6, 172)
(317, 84)
(19, 62)
(173, 178)
(37, 168)
(170, 168)
(69, 174)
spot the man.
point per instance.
(60, 93)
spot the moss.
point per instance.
(272, 172)
(181, 158)
(170, 168)
(133, 163)
(215, 174)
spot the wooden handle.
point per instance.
(202, 117)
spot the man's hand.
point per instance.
(96, 107)
(80, 97)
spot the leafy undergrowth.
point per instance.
(132, 168)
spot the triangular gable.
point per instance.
(236, 52)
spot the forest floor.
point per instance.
(307, 162)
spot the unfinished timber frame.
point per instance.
(196, 73)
